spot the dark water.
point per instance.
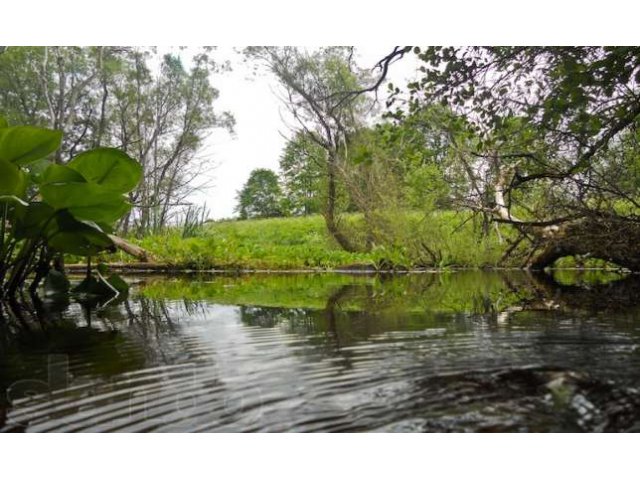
(465, 351)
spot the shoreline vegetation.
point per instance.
(302, 245)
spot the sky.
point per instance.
(262, 123)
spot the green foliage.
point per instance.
(152, 105)
(302, 243)
(261, 196)
(64, 209)
(12, 179)
(110, 168)
(426, 187)
(24, 145)
(303, 166)
(192, 221)
(543, 136)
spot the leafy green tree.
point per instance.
(303, 173)
(261, 196)
(415, 152)
(543, 120)
(60, 88)
(110, 96)
(163, 120)
(319, 91)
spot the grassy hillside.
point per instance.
(303, 243)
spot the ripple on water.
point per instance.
(217, 370)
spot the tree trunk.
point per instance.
(613, 239)
(606, 237)
(330, 211)
(133, 250)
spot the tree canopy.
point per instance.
(261, 196)
(540, 126)
(303, 171)
(111, 96)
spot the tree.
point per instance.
(109, 96)
(261, 196)
(55, 87)
(163, 121)
(318, 91)
(542, 123)
(302, 169)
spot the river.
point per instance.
(428, 352)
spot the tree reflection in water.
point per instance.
(500, 340)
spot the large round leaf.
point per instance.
(12, 179)
(111, 168)
(34, 220)
(86, 201)
(23, 145)
(78, 237)
(37, 168)
(60, 174)
(105, 214)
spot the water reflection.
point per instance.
(467, 351)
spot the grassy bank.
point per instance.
(303, 243)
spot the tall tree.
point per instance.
(302, 168)
(261, 196)
(54, 87)
(545, 120)
(109, 96)
(318, 88)
(163, 120)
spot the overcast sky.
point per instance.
(262, 124)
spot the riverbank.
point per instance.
(303, 244)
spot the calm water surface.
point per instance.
(466, 351)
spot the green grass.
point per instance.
(303, 243)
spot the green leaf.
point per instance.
(118, 283)
(86, 201)
(78, 237)
(109, 228)
(93, 286)
(37, 168)
(99, 286)
(104, 214)
(84, 243)
(3, 123)
(33, 220)
(12, 179)
(23, 145)
(109, 167)
(103, 268)
(60, 174)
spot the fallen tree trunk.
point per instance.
(613, 239)
(603, 236)
(133, 250)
